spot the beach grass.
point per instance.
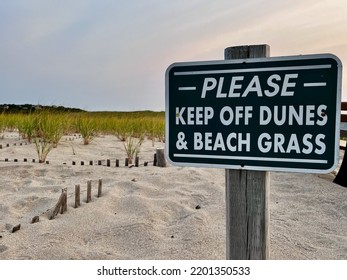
(46, 127)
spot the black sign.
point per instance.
(278, 113)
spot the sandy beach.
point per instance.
(148, 212)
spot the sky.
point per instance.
(112, 55)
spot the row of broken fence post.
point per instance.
(14, 144)
(61, 205)
(108, 162)
(158, 160)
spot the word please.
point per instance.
(237, 88)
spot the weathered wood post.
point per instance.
(60, 204)
(160, 156)
(155, 159)
(64, 204)
(100, 188)
(89, 191)
(77, 196)
(247, 194)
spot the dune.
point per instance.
(148, 212)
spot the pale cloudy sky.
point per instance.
(112, 54)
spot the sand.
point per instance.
(149, 212)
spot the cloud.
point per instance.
(113, 54)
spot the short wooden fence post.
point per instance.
(89, 191)
(63, 207)
(161, 161)
(77, 196)
(100, 188)
(61, 204)
(155, 159)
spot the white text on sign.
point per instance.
(236, 86)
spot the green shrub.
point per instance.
(86, 127)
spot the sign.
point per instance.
(278, 114)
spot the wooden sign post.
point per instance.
(247, 194)
(250, 114)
